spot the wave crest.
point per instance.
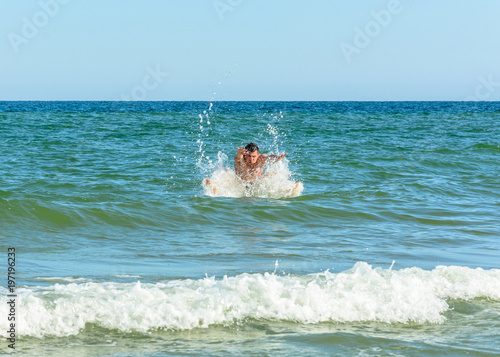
(362, 293)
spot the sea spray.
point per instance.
(200, 153)
(219, 178)
(208, 139)
(275, 182)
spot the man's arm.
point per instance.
(274, 158)
(240, 154)
(239, 160)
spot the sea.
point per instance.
(377, 235)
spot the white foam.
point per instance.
(275, 182)
(362, 293)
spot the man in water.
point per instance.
(249, 163)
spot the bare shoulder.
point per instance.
(263, 159)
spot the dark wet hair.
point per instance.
(252, 147)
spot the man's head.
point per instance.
(252, 153)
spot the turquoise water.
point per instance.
(390, 249)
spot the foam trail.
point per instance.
(362, 293)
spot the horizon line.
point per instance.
(210, 101)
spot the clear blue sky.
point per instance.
(249, 50)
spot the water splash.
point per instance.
(203, 133)
(273, 134)
(275, 182)
(219, 178)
